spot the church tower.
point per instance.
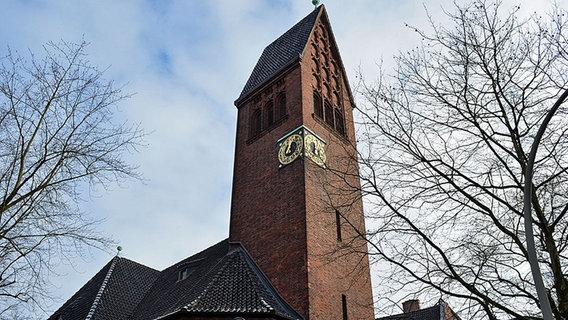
(296, 205)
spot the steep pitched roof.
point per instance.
(223, 281)
(220, 281)
(112, 293)
(436, 312)
(240, 287)
(287, 49)
(431, 313)
(277, 55)
(169, 294)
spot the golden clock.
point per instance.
(290, 149)
(315, 149)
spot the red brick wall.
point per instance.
(285, 217)
(268, 205)
(336, 267)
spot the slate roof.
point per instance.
(112, 293)
(224, 280)
(436, 312)
(236, 286)
(284, 50)
(432, 313)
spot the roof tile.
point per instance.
(239, 286)
(112, 293)
(282, 51)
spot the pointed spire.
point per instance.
(281, 52)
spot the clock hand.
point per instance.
(288, 151)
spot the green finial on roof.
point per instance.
(315, 3)
(118, 249)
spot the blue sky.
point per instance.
(186, 62)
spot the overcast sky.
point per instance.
(187, 62)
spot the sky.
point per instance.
(186, 62)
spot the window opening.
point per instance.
(344, 306)
(338, 224)
(282, 105)
(256, 122)
(339, 122)
(318, 107)
(186, 269)
(328, 114)
(270, 113)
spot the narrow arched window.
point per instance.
(256, 122)
(339, 122)
(344, 306)
(318, 107)
(338, 224)
(282, 106)
(328, 114)
(270, 113)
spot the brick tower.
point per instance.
(295, 204)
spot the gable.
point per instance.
(290, 47)
(322, 56)
(223, 281)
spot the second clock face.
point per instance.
(315, 149)
(290, 149)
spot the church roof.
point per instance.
(237, 286)
(431, 313)
(436, 312)
(112, 293)
(219, 280)
(284, 50)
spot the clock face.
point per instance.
(315, 149)
(290, 149)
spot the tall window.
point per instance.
(328, 114)
(338, 224)
(270, 113)
(344, 306)
(339, 122)
(281, 105)
(318, 106)
(256, 122)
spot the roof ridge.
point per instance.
(102, 289)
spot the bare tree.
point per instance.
(444, 143)
(57, 137)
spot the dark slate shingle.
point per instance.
(224, 281)
(169, 294)
(282, 51)
(436, 312)
(78, 306)
(112, 293)
(240, 287)
(125, 288)
(431, 313)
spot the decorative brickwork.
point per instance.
(326, 80)
(268, 108)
